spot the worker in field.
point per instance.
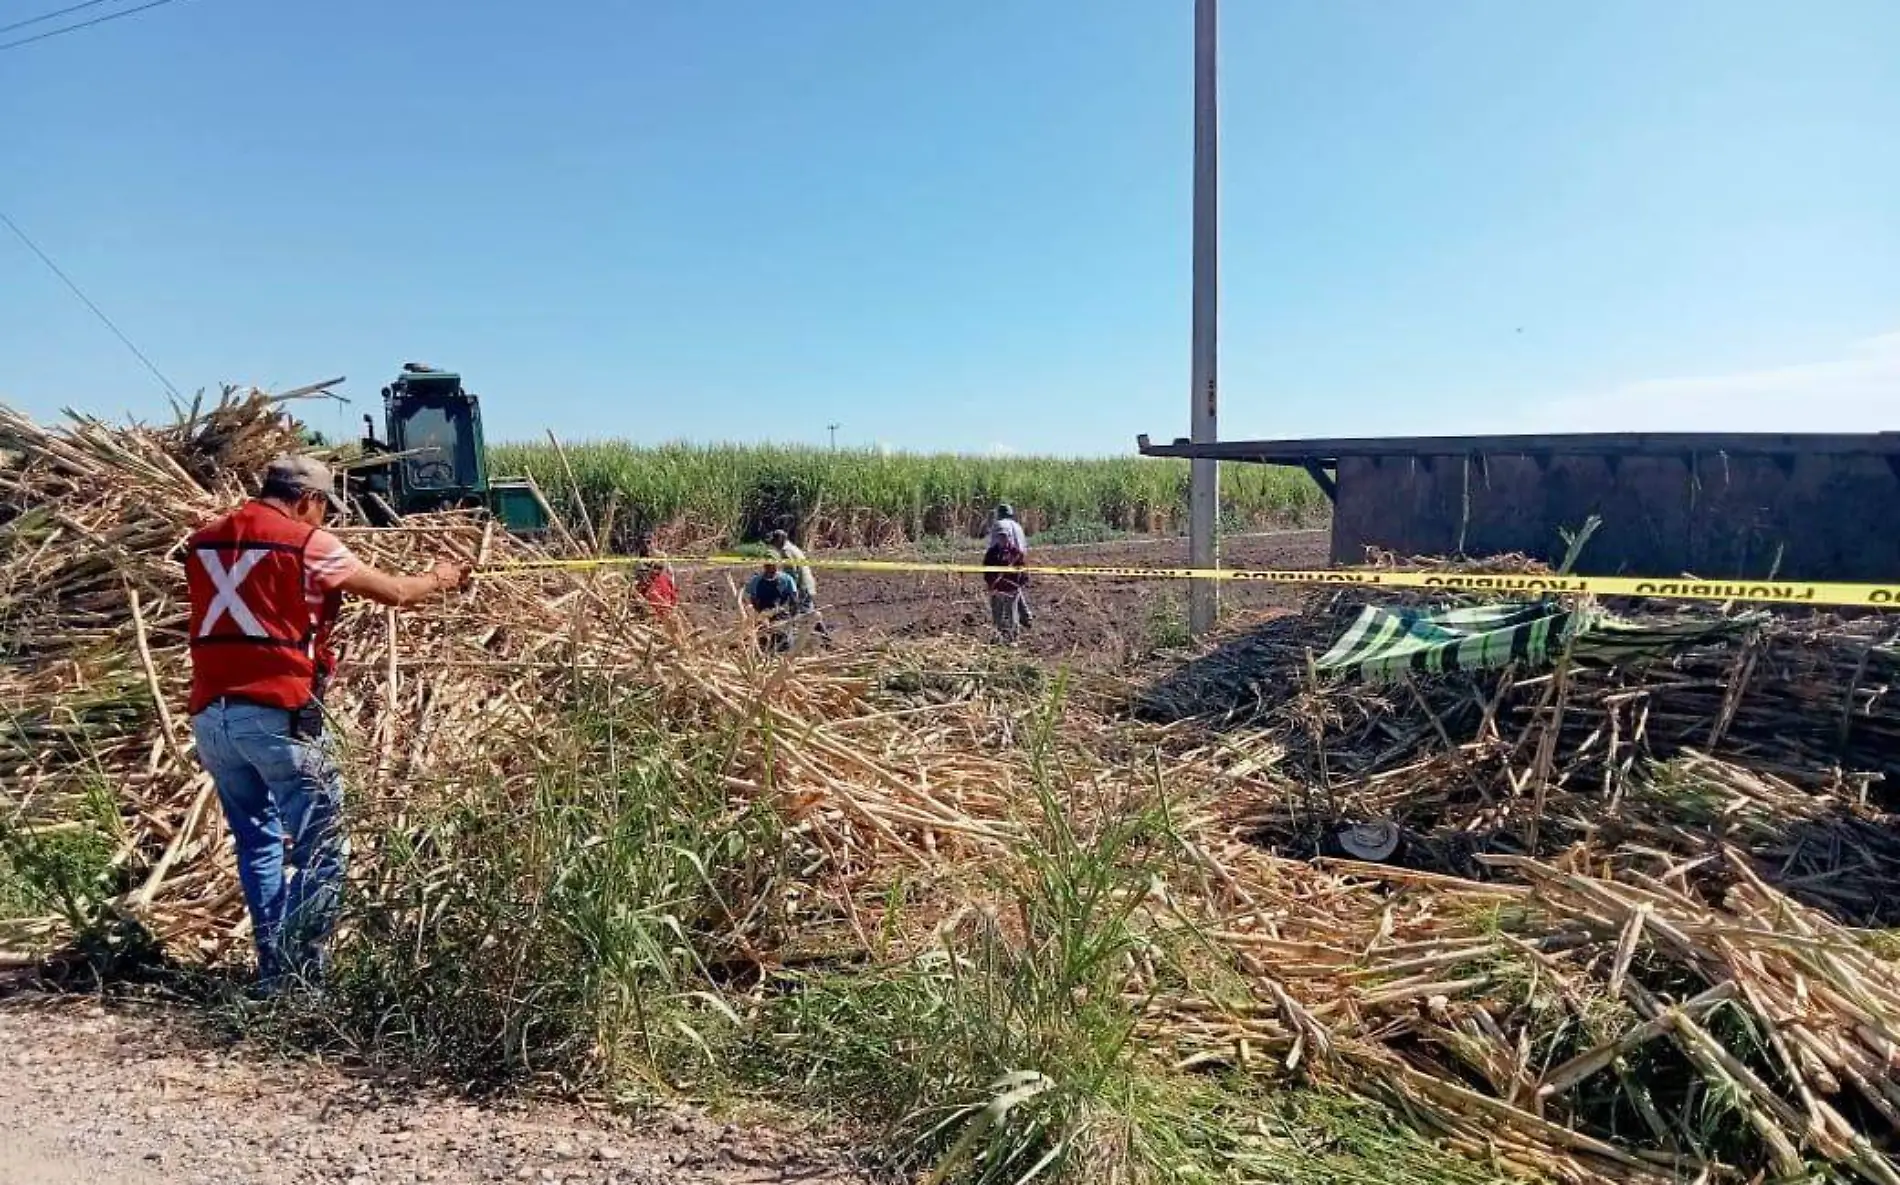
(655, 582)
(773, 595)
(265, 583)
(1009, 591)
(794, 559)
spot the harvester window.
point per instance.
(444, 437)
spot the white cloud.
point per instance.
(1858, 392)
(1002, 450)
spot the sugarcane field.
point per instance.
(1617, 907)
(1057, 593)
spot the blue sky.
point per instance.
(965, 226)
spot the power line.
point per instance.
(47, 16)
(96, 311)
(98, 20)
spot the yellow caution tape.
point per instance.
(1776, 592)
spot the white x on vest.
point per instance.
(229, 599)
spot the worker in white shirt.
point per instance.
(794, 557)
(800, 568)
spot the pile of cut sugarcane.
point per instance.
(1632, 925)
(1563, 1023)
(1630, 971)
(1785, 742)
(442, 696)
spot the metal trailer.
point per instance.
(1718, 505)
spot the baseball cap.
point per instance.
(293, 471)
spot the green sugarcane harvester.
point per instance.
(436, 458)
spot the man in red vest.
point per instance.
(266, 582)
(655, 582)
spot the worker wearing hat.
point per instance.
(1009, 596)
(772, 594)
(794, 557)
(265, 584)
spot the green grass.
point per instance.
(60, 868)
(65, 869)
(1005, 1049)
(18, 897)
(1167, 624)
(859, 497)
(601, 932)
(580, 936)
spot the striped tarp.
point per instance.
(1387, 643)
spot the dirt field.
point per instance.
(1088, 621)
(133, 1096)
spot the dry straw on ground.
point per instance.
(443, 695)
(1623, 970)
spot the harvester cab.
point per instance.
(436, 458)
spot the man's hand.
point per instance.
(402, 591)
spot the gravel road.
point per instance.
(91, 1096)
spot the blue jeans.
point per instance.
(277, 788)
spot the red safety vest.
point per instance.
(253, 634)
(662, 592)
(1003, 553)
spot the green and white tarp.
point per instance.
(1385, 644)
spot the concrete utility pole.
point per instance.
(1204, 398)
